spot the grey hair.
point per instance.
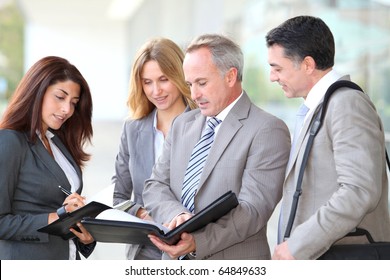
(225, 53)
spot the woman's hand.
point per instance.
(71, 203)
(84, 236)
(74, 202)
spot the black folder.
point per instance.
(61, 226)
(137, 233)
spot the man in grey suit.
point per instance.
(248, 156)
(345, 183)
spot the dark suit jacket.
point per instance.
(248, 157)
(29, 179)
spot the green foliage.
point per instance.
(11, 45)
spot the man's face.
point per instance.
(209, 87)
(291, 75)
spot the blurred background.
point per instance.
(101, 37)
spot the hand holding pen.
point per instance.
(73, 201)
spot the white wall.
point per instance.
(90, 40)
(103, 46)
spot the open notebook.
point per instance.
(61, 227)
(119, 227)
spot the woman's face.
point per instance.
(158, 88)
(59, 103)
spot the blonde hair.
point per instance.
(169, 57)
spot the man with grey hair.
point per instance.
(246, 153)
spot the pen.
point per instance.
(64, 190)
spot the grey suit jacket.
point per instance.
(133, 165)
(134, 161)
(29, 179)
(248, 157)
(345, 183)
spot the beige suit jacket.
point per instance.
(345, 182)
(248, 157)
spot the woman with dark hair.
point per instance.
(158, 93)
(42, 137)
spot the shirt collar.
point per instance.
(317, 93)
(222, 115)
(48, 134)
(155, 121)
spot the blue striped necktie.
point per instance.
(300, 117)
(196, 164)
(301, 114)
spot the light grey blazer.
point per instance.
(345, 183)
(29, 179)
(133, 165)
(248, 157)
(134, 161)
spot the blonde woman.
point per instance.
(158, 93)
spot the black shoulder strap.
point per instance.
(335, 86)
(314, 128)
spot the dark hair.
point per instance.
(305, 36)
(24, 112)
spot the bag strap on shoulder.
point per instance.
(314, 128)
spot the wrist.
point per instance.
(61, 212)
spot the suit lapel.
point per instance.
(304, 134)
(41, 154)
(300, 141)
(144, 141)
(228, 128)
(66, 153)
(192, 132)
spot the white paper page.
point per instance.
(104, 196)
(118, 215)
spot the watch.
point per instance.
(61, 212)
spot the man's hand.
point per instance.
(184, 246)
(282, 252)
(143, 214)
(179, 219)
